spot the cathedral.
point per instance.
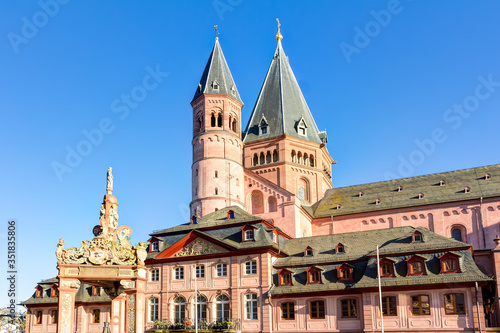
(271, 246)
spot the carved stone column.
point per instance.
(66, 305)
(118, 314)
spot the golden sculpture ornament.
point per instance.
(197, 248)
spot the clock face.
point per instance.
(97, 230)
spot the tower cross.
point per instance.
(216, 32)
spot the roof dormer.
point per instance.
(386, 266)
(345, 273)
(340, 248)
(308, 252)
(39, 292)
(314, 275)
(263, 126)
(417, 237)
(302, 127)
(248, 233)
(54, 292)
(450, 263)
(154, 245)
(285, 277)
(416, 265)
(230, 214)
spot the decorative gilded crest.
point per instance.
(197, 248)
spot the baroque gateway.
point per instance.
(271, 246)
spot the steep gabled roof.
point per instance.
(282, 104)
(217, 73)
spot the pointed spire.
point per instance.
(281, 102)
(217, 78)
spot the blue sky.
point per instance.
(403, 88)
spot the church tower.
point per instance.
(217, 170)
(282, 142)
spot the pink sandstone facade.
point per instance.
(275, 248)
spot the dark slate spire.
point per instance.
(217, 78)
(281, 105)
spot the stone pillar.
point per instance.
(66, 305)
(140, 306)
(118, 314)
(367, 307)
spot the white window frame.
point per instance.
(251, 307)
(221, 270)
(155, 246)
(155, 275)
(179, 273)
(251, 267)
(249, 235)
(199, 270)
(153, 309)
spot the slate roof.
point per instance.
(362, 244)
(218, 71)
(84, 295)
(229, 231)
(387, 191)
(282, 104)
(360, 249)
(217, 218)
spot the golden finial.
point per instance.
(278, 35)
(216, 32)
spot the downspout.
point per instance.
(477, 307)
(271, 305)
(481, 220)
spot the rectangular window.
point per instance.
(221, 270)
(155, 275)
(285, 279)
(179, 273)
(454, 304)
(53, 317)
(386, 270)
(38, 319)
(96, 291)
(153, 309)
(200, 271)
(345, 274)
(251, 306)
(389, 307)
(96, 316)
(314, 277)
(249, 235)
(317, 309)
(155, 246)
(348, 308)
(287, 311)
(416, 267)
(450, 265)
(251, 267)
(420, 305)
